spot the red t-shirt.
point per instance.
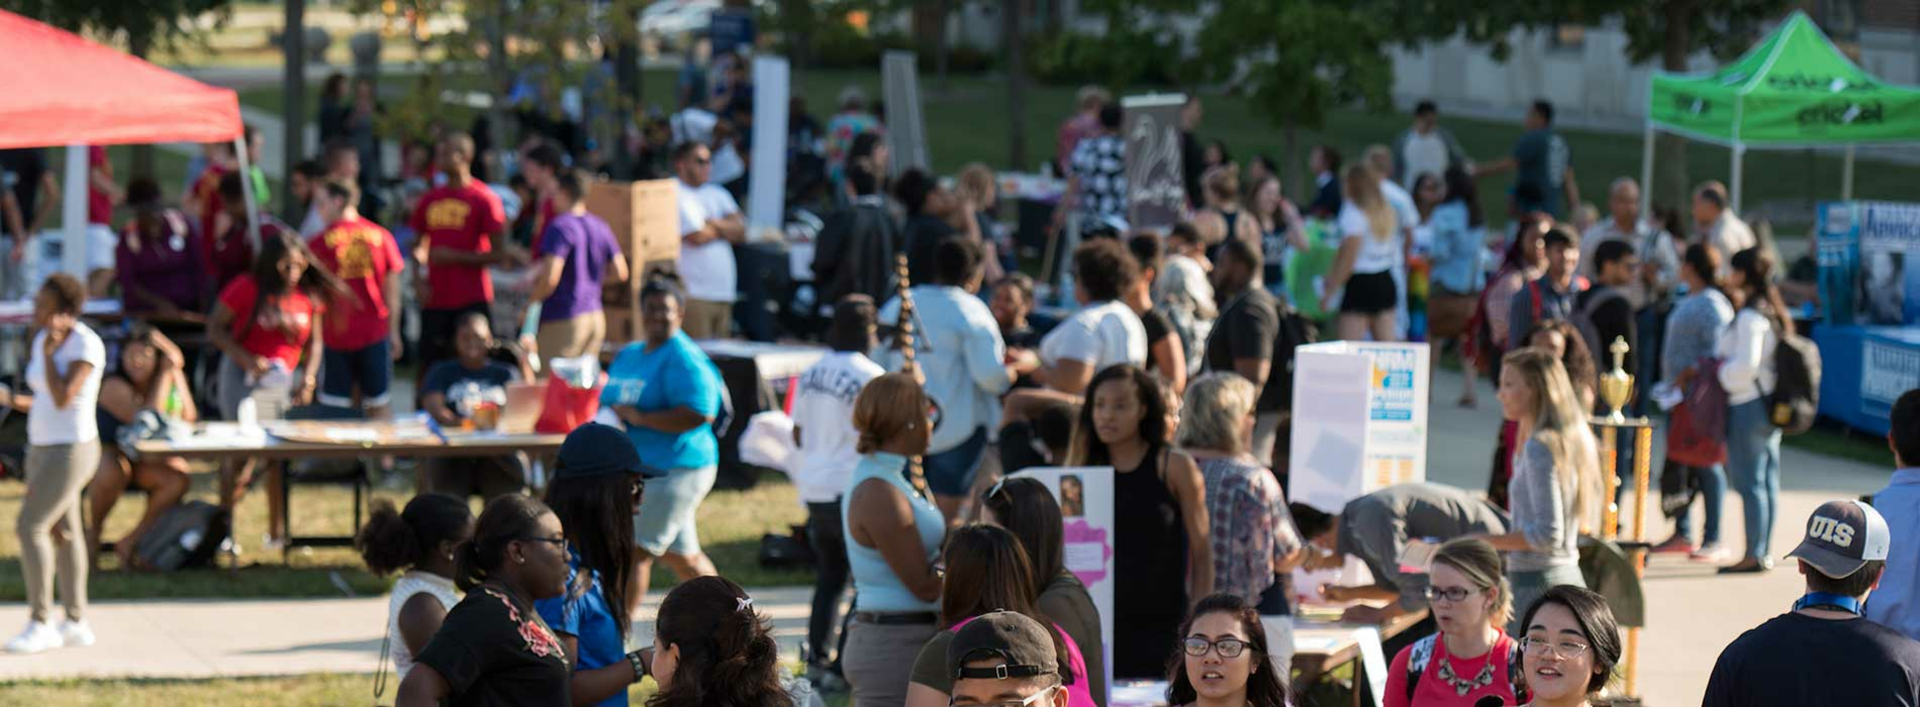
(280, 331)
(99, 205)
(361, 254)
(206, 193)
(462, 218)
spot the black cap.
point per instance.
(1021, 643)
(594, 449)
(1842, 537)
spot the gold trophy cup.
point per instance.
(1616, 386)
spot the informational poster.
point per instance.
(1360, 419)
(730, 29)
(1085, 494)
(1887, 370)
(1869, 255)
(906, 128)
(767, 180)
(1156, 186)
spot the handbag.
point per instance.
(1686, 444)
(1708, 400)
(566, 406)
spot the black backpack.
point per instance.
(188, 535)
(1795, 399)
(1295, 330)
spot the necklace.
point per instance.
(1460, 686)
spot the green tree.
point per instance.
(143, 25)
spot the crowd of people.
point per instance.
(1172, 365)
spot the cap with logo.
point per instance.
(1842, 537)
(1023, 646)
(594, 449)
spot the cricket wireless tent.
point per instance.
(64, 90)
(1793, 90)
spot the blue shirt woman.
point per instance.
(672, 375)
(582, 612)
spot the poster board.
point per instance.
(1869, 256)
(1088, 531)
(1156, 186)
(1360, 419)
(767, 180)
(906, 128)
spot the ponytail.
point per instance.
(394, 540)
(506, 519)
(728, 657)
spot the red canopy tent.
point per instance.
(61, 89)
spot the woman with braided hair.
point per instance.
(893, 533)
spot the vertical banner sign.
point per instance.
(1889, 263)
(906, 128)
(1838, 248)
(1086, 508)
(767, 176)
(1360, 419)
(1156, 189)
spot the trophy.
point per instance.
(1616, 386)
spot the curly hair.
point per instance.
(728, 657)
(1104, 269)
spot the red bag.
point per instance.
(1685, 443)
(566, 407)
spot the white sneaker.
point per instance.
(272, 545)
(38, 636)
(76, 634)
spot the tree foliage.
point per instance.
(144, 25)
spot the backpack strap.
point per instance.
(1517, 674)
(1418, 656)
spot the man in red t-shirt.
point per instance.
(462, 232)
(203, 201)
(361, 334)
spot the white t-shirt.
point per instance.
(823, 409)
(1425, 154)
(1102, 334)
(49, 425)
(1376, 255)
(707, 268)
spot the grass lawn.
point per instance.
(731, 523)
(320, 690)
(967, 122)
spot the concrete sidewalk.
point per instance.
(214, 638)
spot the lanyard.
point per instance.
(1827, 600)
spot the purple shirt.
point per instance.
(171, 268)
(583, 244)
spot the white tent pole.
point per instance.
(246, 191)
(1646, 173)
(73, 214)
(1846, 177)
(1739, 151)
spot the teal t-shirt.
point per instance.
(675, 374)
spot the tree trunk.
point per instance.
(626, 77)
(1012, 15)
(140, 44)
(942, 49)
(1290, 156)
(1670, 187)
(799, 18)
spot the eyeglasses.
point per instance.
(638, 486)
(556, 542)
(1029, 700)
(1227, 647)
(1452, 594)
(1565, 650)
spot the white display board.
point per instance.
(1359, 419)
(906, 128)
(1086, 508)
(767, 179)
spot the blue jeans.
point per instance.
(1713, 492)
(1753, 466)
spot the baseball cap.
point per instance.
(594, 449)
(1021, 642)
(1842, 537)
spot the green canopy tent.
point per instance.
(1793, 90)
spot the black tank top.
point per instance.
(1150, 560)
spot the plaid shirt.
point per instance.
(1249, 525)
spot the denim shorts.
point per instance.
(370, 367)
(950, 473)
(668, 506)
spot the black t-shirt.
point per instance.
(27, 164)
(443, 376)
(1247, 328)
(1157, 324)
(1796, 660)
(494, 650)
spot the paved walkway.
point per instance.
(1693, 613)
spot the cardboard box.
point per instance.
(645, 218)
